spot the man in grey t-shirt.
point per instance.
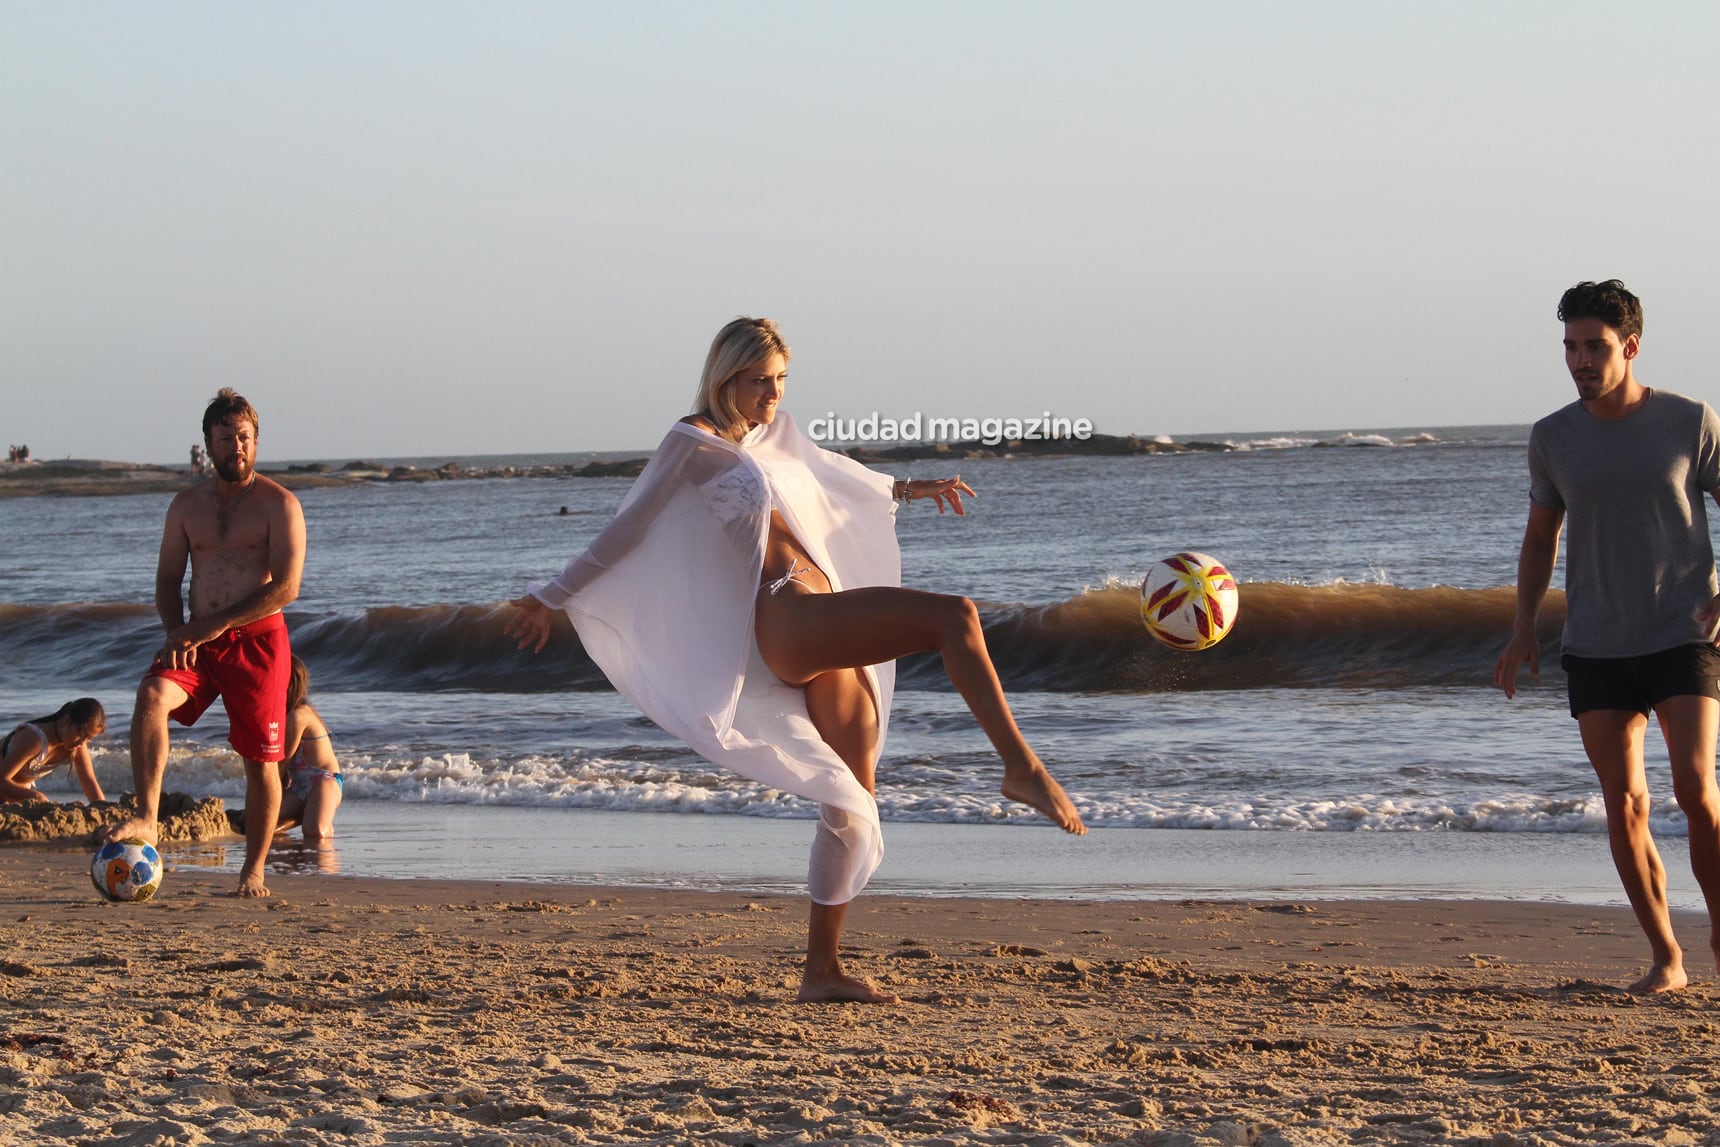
(1627, 468)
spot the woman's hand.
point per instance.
(940, 490)
(530, 623)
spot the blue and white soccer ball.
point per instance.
(126, 870)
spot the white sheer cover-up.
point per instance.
(663, 602)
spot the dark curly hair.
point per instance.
(1610, 302)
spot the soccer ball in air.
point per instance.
(126, 870)
(1188, 601)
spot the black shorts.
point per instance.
(1638, 684)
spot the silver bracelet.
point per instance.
(906, 495)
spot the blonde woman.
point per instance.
(747, 598)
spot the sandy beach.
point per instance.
(362, 1011)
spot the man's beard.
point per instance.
(234, 468)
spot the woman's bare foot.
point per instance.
(1035, 787)
(133, 828)
(251, 887)
(1661, 978)
(833, 987)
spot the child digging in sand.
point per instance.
(36, 748)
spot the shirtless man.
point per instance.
(244, 537)
(1629, 468)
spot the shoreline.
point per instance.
(722, 852)
(574, 847)
(457, 1011)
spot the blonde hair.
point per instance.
(741, 345)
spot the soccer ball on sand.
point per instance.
(126, 870)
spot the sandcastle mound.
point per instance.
(183, 817)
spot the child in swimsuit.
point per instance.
(36, 748)
(311, 780)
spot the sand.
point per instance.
(358, 1011)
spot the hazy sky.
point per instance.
(452, 228)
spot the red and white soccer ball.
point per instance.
(1188, 601)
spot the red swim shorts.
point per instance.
(247, 667)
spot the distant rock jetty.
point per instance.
(1093, 444)
(453, 471)
(88, 477)
(94, 477)
(1098, 444)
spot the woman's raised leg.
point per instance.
(820, 641)
(802, 635)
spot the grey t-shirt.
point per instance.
(1638, 562)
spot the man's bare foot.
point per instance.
(1033, 786)
(136, 828)
(251, 887)
(1661, 978)
(835, 987)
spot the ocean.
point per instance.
(1345, 739)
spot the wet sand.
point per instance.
(350, 1010)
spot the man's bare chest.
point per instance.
(237, 534)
